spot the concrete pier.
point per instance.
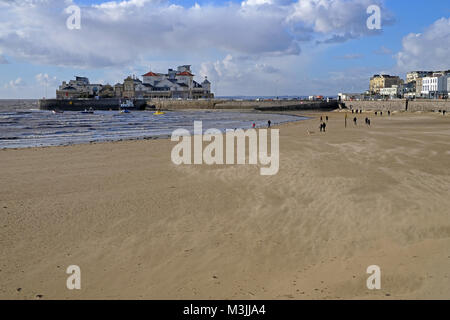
(165, 104)
(82, 104)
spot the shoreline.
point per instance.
(306, 115)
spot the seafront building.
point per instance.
(414, 75)
(436, 85)
(391, 92)
(175, 84)
(78, 88)
(419, 84)
(377, 82)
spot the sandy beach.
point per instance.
(141, 227)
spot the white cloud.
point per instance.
(239, 75)
(118, 33)
(14, 84)
(256, 2)
(111, 5)
(429, 50)
(337, 20)
(44, 79)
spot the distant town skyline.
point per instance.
(246, 48)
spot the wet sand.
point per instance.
(140, 227)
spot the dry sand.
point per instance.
(141, 227)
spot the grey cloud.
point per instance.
(121, 33)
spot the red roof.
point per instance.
(151, 74)
(185, 73)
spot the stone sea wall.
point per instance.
(400, 105)
(275, 105)
(113, 104)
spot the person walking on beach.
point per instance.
(321, 127)
(389, 112)
(368, 122)
(381, 113)
(326, 118)
(321, 118)
(324, 126)
(376, 113)
(355, 120)
(269, 123)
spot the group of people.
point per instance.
(355, 121)
(269, 123)
(323, 125)
(381, 113)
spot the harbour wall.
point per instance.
(400, 105)
(82, 104)
(164, 104)
(273, 105)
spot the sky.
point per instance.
(246, 47)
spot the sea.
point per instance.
(23, 125)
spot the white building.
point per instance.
(350, 96)
(178, 83)
(391, 92)
(434, 86)
(80, 87)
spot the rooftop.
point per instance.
(151, 74)
(185, 73)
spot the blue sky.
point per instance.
(261, 47)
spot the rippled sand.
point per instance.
(141, 227)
